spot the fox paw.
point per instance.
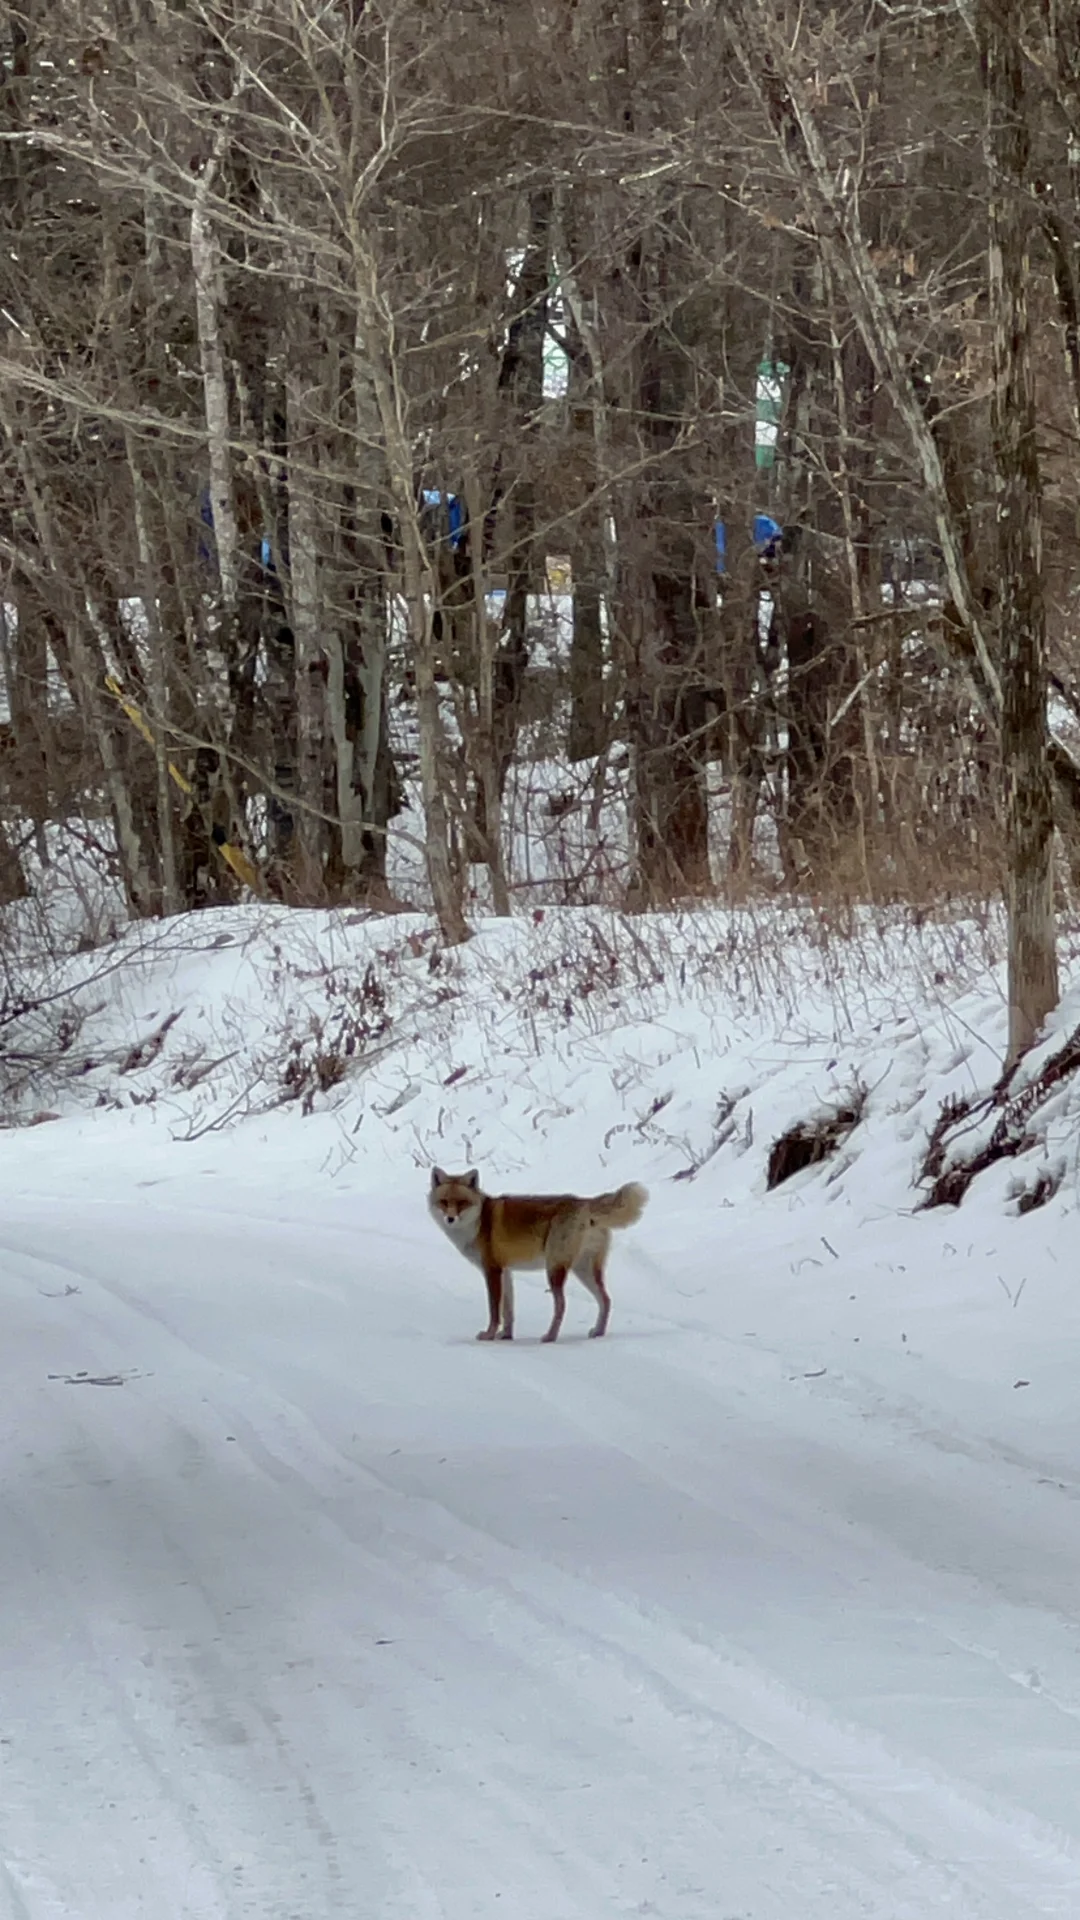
(488, 1333)
(507, 1333)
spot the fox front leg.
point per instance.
(506, 1331)
(493, 1277)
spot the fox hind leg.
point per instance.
(589, 1269)
(557, 1283)
(568, 1236)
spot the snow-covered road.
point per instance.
(318, 1609)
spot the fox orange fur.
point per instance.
(559, 1232)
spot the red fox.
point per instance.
(559, 1232)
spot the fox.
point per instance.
(561, 1233)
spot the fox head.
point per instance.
(455, 1199)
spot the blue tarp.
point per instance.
(766, 531)
(455, 512)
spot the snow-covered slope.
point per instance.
(764, 1608)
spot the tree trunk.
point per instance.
(521, 378)
(156, 677)
(661, 615)
(74, 611)
(592, 560)
(206, 274)
(310, 659)
(665, 711)
(738, 671)
(376, 337)
(368, 759)
(588, 731)
(484, 751)
(26, 671)
(1029, 826)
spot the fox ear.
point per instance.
(437, 1176)
(472, 1178)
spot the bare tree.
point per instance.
(282, 472)
(1004, 29)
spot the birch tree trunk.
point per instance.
(521, 379)
(207, 278)
(310, 658)
(593, 563)
(157, 678)
(376, 334)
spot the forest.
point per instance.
(617, 453)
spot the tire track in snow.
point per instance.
(304, 1477)
(1021, 1844)
(518, 1826)
(182, 1696)
(309, 1464)
(535, 1725)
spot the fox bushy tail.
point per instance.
(621, 1209)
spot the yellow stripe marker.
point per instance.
(233, 857)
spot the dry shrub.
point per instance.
(809, 1142)
(949, 1173)
(1043, 1188)
(319, 1060)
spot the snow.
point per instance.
(762, 1608)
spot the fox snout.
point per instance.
(452, 1209)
